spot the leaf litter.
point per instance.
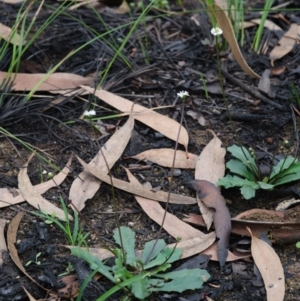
(34, 198)
(270, 267)
(211, 246)
(85, 185)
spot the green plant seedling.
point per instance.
(143, 276)
(69, 270)
(249, 176)
(75, 235)
(37, 262)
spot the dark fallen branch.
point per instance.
(251, 90)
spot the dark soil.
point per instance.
(165, 56)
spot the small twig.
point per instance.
(251, 91)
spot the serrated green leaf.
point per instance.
(94, 262)
(167, 255)
(235, 181)
(149, 252)
(237, 167)
(128, 240)
(182, 280)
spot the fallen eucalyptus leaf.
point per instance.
(212, 198)
(270, 267)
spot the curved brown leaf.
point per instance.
(228, 32)
(160, 196)
(85, 185)
(163, 124)
(164, 157)
(212, 198)
(35, 199)
(48, 82)
(11, 240)
(270, 267)
(210, 167)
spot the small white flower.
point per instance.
(89, 113)
(216, 31)
(183, 94)
(45, 172)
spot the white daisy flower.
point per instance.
(89, 113)
(216, 31)
(183, 94)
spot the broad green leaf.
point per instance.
(298, 245)
(149, 252)
(294, 168)
(237, 167)
(282, 165)
(94, 262)
(235, 181)
(128, 240)
(264, 185)
(288, 179)
(182, 280)
(167, 255)
(140, 288)
(242, 154)
(248, 192)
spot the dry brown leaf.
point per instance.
(35, 199)
(3, 246)
(211, 163)
(85, 185)
(269, 265)
(164, 157)
(210, 167)
(224, 23)
(264, 84)
(71, 288)
(172, 224)
(282, 232)
(197, 116)
(7, 198)
(52, 82)
(6, 34)
(160, 196)
(31, 298)
(286, 43)
(268, 24)
(11, 240)
(212, 198)
(163, 124)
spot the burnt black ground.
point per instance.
(171, 56)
